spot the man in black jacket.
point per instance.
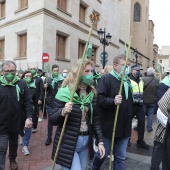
(52, 86)
(151, 85)
(108, 99)
(39, 96)
(14, 98)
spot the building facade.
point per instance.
(142, 30)
(28, 28)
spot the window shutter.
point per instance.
(3, 8)
(2, 47)
(82, 13)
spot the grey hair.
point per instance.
(8, 62)
(150, 71)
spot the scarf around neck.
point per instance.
(31, 85)
(56, 79)
(126, 82)
(12, 83)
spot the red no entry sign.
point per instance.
(45, 57)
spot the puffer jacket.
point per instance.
(68, 144)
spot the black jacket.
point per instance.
(107, 89)
(166, 148)
(51, 92)
(150, 91)
(11, 109)
(72, 130)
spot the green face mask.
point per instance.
(55, 74)
(33, 72)
(28, 79)
(87, 79)
(9, 76)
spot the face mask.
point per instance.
(55, 74)
(137, 73)
(87, 79)
(64, 75)
(33, 72)
(9, 76)
(28, 79)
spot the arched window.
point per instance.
(137, 12)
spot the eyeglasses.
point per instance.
(9, 71)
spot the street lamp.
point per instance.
(104, 40)
(153, 62)
(136, 55)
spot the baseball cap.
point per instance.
(135, 67)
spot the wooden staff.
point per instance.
(117, 109)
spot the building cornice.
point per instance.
(57, 17)
(122, 42)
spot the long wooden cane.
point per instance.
(117, 108)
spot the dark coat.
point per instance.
(161, 90)
(151, 85)
(166, 148)
(39, 92)
(12, 109)
(72, 130)
(51, 92)
(107, 89)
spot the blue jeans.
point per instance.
(49, 125)
(119, 153)
(27, 136)
(3, 150)
(80, 157)
(149, 110)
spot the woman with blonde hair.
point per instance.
(76, 145)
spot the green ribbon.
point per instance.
(126, 81)
(12, 83)
(166, 80)
(56, 79)
(64, 94)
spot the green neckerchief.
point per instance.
(166, 80)
(31, 85)
(96, 77)
(56, 79)
(12, 83)
(5, 83)
(126, 82)
(64, 94)
(36, 75)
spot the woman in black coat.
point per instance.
(84, 118)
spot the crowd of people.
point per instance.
(91, 112)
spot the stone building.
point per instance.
(28, 28)
(142, 30)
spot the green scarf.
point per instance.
(56, 79)
(36, 75)
(12, 83)
(166, 80)
(31, 85)
(126, 82)
(96, 77)
(5, 83)
(64, 94)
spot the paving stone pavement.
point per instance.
(40, 155)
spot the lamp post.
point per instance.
(136, 55)
(104, 40)
(153, 62)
